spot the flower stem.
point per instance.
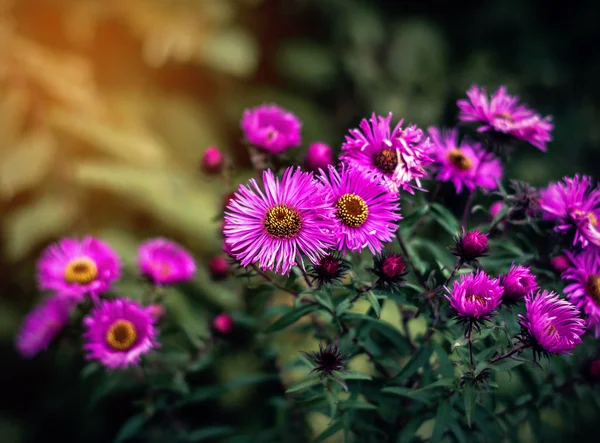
(422, 217)
(508, 354)
(409, 258)
(454, 271)
(467, 208)
(469, 337)
(360, 292)
(271, 281)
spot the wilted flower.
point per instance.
(583, 274)
(212, 161)
(330, 269)
(223, 324)
(475, 296)
(74, 268)
(219, 268)
(573, 203)
(470, 246)
(118, 332)
(271, 128)
(517, 283)
(42, 325)
(523, 203)
(318, 156)
(464, 164)
(165, 262)
(327, 360)
(503, 114)
(291, 217)
(390, 270)
(365, 213)
(396, 159)
(553, 324)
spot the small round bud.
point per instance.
(319, 156)
(156, 311)
(212, 161)
(330, 269)
(496, 207)
(560, 263)
(393, 266)
(390, 270)
(219, 268)
(470, 246)
(223, 324)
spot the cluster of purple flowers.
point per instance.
(117, 330)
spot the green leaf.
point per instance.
(324, 300)
(505, 365)
(291, 317)
(332, 429)
(342, 308)
(442, 417)
(416, 361)
(441, 383)
(445, 219)
(304, 384)
(421, 396)
(410, 429)
(374, 303)
(384, 328)
(210, 432)
(445, 364)
(470, 399)
(131, 428)
(352, 375)
(355, 404)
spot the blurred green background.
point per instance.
(106, 107)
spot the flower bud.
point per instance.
(393, 266)
(212, 161)
(223, 324)
(330, 269)
(470, 246)
(219, 268)
(496, 207)
(594, 369)
(390, 270)
(156, 311)
(560, 263)
(318, 156)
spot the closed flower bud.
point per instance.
(496, 207)
(219, 268)
(156, 311)
(390, 270)
(223, 324)
(330, 269)
(212, 161)
(560, 263)
(595, 369)
(318, 156)
(470, 246)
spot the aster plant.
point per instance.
(396, 324)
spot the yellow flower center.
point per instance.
(550, 330)
(589, 215)
(459, 160)
(593, 288)
(352, 210)
(505, 116)
(121, 335)
(162, 269)
(386, 160)
(477, 298)
(281, 221)
(81, 270)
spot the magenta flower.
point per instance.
(397, 159)
(212, 161)
(583, 291)
(165, 262)
(464, 164)
(292, 216)
(470, 246)
(503, 113)
(74, 268)
(118, 332)
(475, 296)
(271, 128)
(366, 214)
(42, 325)
(518, 283)
(573, 203)
(553, 323)
(318, 156)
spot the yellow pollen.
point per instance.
(506, 116)
(352, 210)
(593, 288)
(459, 160)
(477, 298)
(386, 160)
(281, 221)
(121, 335)
(550, 330)
(589, 215)
(162, 269)
(81, 270)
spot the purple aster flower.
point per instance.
(118, 332)
(518, 283)
(165, 262)
(475, 296)
(74, 268)
(366, 214)
(553, 323)
(271, 128)
(42, 325)
(292, 216)
(573, 203)
(503, 113)
(318, 156)
(396, 159)
(464, 164)
(583, 274)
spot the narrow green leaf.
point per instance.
(506, 365)
(470, 399)
(209, 433)
(410, 429)
(352, 375)
(445, 364)
(332, 429)
(291, 317)
(131, 428)
(355, 404)
(374, 303)
(324, 300)
(421, 396)
(304, 384)
(416, 361)
(441, 383)
(442, 417)
(342, 308)
(445, 218)
(384, 328)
